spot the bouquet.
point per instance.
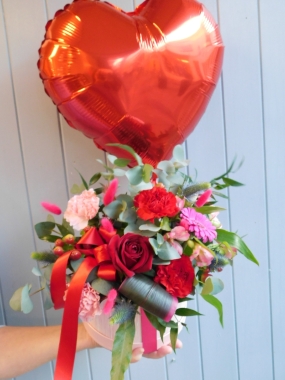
(145, 250)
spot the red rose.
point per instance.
(177, 277)
(155, 203)
(131, 253)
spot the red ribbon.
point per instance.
(68, 336)
(100, 258)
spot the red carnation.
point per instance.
(155, 203)
(177, 277)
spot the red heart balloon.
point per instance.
(143, 78)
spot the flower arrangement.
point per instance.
(153, 246)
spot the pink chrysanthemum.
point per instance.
(199, 224)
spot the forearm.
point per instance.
(25, 348)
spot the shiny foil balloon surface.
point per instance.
(143, 78)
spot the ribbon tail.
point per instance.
(149, 333)
(68, 336)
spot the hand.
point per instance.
(160, 353)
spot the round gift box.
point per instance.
(103, 332)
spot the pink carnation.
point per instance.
(89, 303)
(199, 224)
(202, 256)
(81, 208)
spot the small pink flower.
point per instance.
(54, 209)
(110, 193)
(202, 256)
(179, 233)
(110, 301)
(107, 225)
(81, 208)
(180, 203)
(203, 198)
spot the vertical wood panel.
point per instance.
(273, 61)
(244, 135)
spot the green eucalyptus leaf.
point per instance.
(119, 172)
(112, 158)
(128, 216)
(170, 324)
(15, 301)
(95, 178)
(83, 180)
(235, 241)
(212, 286)
(50, 218)
(126, 198)
(26, 302)
(114, 209)
(167, 167)
(44, 229)
(147, 172)
(47, 272)
(130, 150)
(149, 227)
(122, 349)
(36, 272)
(167, 252)
(185, 312)
(135, 175)
(108, 176)
(160, 239)
(217, 304)
(122, 162)
(134, 228)
(178, 153)
(157, 261)
(48, 304)
(102, 286)
(75, 264)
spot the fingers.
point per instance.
(163, 351)
(137, 354)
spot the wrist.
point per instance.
(84, 340)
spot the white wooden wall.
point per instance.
(39, 154)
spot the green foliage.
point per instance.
(122, 349)
(130, 150)
(212, 286)
(20, 300)
(156, 323)
(173, 337)
(147, 173)
(235, 241)
(185, 312)
(208, 209)
(164, 251)
(217, 304)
